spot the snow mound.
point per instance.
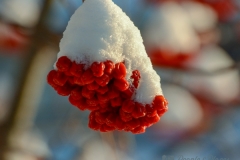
(184, 110)
(98, 31)
(202, 17)
(222, 86)
(171, 29)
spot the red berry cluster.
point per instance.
(168, 58)
(103, 90)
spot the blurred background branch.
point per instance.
(12, 120)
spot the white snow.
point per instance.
(171, 29)
(184, 111)
(221, 87)
(98, 31)
(23, 12)
(202, 17)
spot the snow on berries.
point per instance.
(168, 34)
(103, 67)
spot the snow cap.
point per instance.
(98, 31)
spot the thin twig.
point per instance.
(8, 125)
(235, 66)
(110, 140)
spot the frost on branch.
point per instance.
(103, 67)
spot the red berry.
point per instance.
(106, 128)
(104, 104)
(125, 116)
(116, 102)
(110, 128)
(144, 122)
(76, 69)
(87, 77)
(78, 103)
(63, 64)
(97, 69)
(87, 93)
(78, 81)
(92, 104)
(128, 93)
(120, 125)
(93, 108)
(94, 125)
(67, 74)
(73, 101)
(51, 75)
(76, 93)
(102, 90)
(162, 111)
(153, 120)
(105, 110)
(109, 66)
(159, 102)
(111, 119)
(92, 115)
(103, 80)
(102, 98)
(136, 77)
(126, 129)
(60, 78)
(93, 86)
(165, 102)
(102, 128)
(71, 80)
(64, 90)
(82, 105)
(135, 83)
(133, 124)
(121, 84)
(92, 122)
(150, 111)
(128, 106)
(139, 110)
(138, 130)
(120, 71)
(113, 93)
(100, 117)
